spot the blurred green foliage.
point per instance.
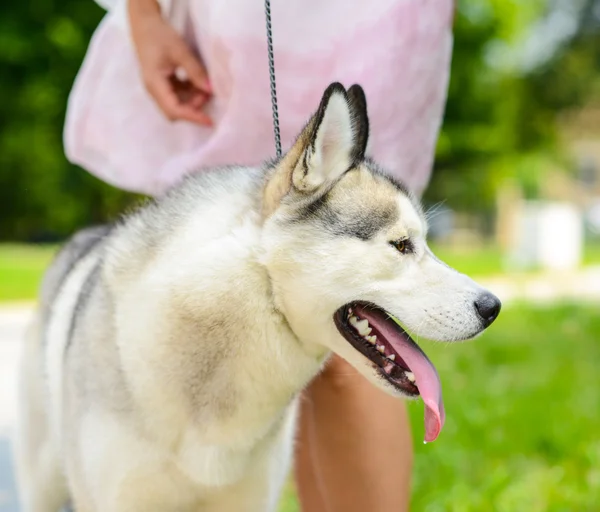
(501, 116)
(42, 44)
(500, 119)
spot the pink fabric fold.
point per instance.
(398, 50)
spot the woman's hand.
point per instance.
(172, 74)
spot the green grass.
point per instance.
(485, 261)
(523, 417)
(522, 430)
(21, 268)
(289, 503)
(480, 262)
(591, 253)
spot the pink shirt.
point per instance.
(398, 50)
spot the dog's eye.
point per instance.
(403, 246)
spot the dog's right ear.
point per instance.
(332, 142)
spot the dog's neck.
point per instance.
(268, 383)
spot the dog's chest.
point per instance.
(259, 457)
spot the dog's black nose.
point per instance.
(488, 306)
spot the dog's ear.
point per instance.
(334, 140)
(360, 118)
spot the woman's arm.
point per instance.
(171, 73)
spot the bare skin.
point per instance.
(171, 73)
(354, 451)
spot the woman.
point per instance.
(169, 88)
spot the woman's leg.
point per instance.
(354, 451)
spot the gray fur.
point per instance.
(333, 216)
(75, 249)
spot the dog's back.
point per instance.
(37, 460)
(83, 385)
(71, 253)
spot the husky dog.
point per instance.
(164, 366)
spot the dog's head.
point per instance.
(351, 270)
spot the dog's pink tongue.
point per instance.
(426, 376)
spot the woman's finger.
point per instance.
(160, 89)
(194, 70)
(199, 100)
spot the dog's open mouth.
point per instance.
(399, 360)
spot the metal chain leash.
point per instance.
(272, 79)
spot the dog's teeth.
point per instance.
(392, 357)
(353, 321)
(371, 339)
(349, 311)
(410, 376)
(363, 327)
(381, 348)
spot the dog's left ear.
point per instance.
(334, 140)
